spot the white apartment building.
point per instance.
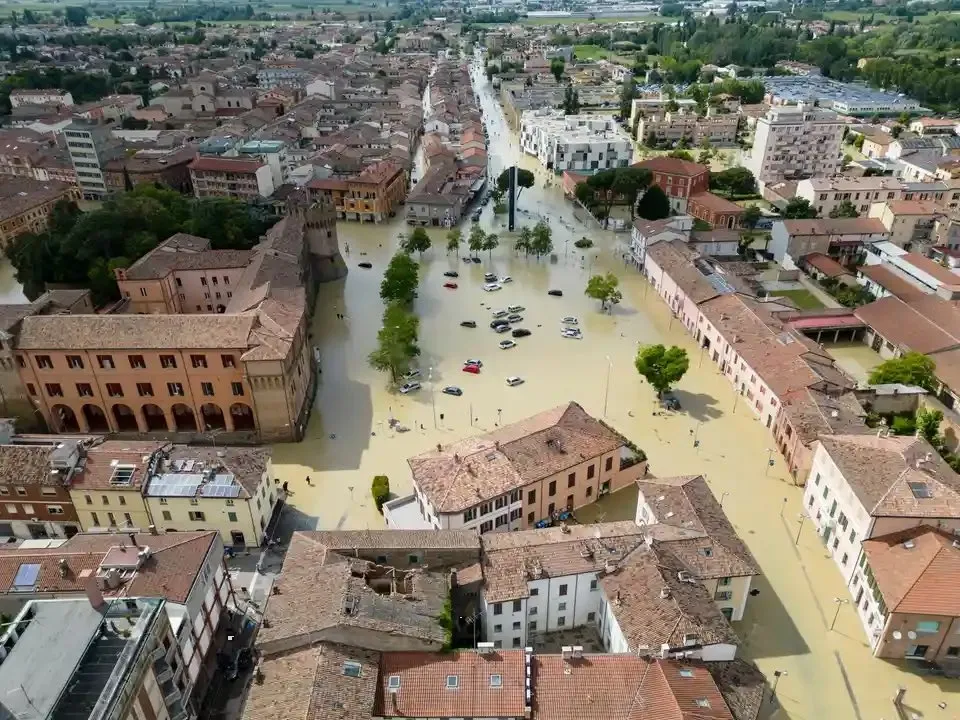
(866, 486)
(792, 142)
(826, 193)
(608, 575)
(583, 143)
(22, 96)
(718, 557)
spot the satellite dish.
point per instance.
(897, 634)
(911, 634)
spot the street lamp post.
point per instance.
(722, 496)
(777, 674)
(782, 506)
(499, 413)
(766, 472)
(606, 391)
(433, 397)
(802, 516)
(840, 603)
(696, 433)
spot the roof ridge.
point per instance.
(923, 570)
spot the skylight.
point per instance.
(703, 702)
(686, 672)
(393, 682)
(453, 682)
(496, 681)
(920, 490)
(26, 578)
(352, 669)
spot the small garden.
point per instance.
(847, 295)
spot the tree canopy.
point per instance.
(400, 279)
(654, 205)
(525, 179)
(734, 181)
(84, 248)
(418, 241)
(604, 288)
(799, 208)
(396, 341)
(912, 368)
(845, 209)
(662, 367)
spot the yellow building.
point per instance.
(224, 489)
(108, 490)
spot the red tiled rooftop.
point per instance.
(673, 166)
(226, 165)
(825, 264)
(715, 203)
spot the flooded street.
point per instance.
(10, 289)
(829, 674)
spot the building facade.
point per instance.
(793, 142)
(247, 180)
(35, 497)
(91, 147)
(718, 129)
(373, 195)
(679, 179)
(575, 142)
(25, 205)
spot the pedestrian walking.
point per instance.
(308, 480)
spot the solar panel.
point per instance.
(26, 578)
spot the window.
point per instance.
(206, 388)
(920, 490)
(516, 640)
(917, 651)
(137, 362)
(93, 516)
(114, 390)
(563, 590)
(145, 389)
(953, 651)
(4, 491)
(112, 519)
(845, 558)
(166, 515)
(571, 479)
(486, 526)
(168, 361)
(498, 628)
(453, 682)
(198, 361)
(75, 362)
(561, 606)
(196, 516)
(703, 702)
(163, 501)
(591, 617)
(21, 491)
(853, 536)
(175, 389)
(352, 669)
(608, 466)
(816, 480)
(31, 389)
(589, 491)
(214, 279)
(531, 497)
(44, 362)
(203, 281)
(128, 519)
(54, 390)
(534, 592)
(469, 515)
(532, 625)
(517, 605)
(561, 621)
(394, 682)
(928, 626)
(593, 584)
(105, 362)
(531, 518)
(591, 471)
(55, 509)
(228, 361)
(232, 516)
(84, 390)
(552, 489)
(723, 595)
(498, 608)
(550, 509)
(516, 625)
(532, 611)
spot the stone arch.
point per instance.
(183, 418)
(125, 418)
(212, 417)
(154, 418)
(242, 417)
(96, 418)
(64, 419)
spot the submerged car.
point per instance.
(499, 322)
(555, 293)
(452, 390)
(492, 287)
(468, 324)
(521, 332)
(515, 308)
(507, 344)
(471, 361)
(499, 313)
(451, 285)
(365, 265)
(490, 277)
(514, 380)
(451, 273)
(515, 317)
(409, 387)
(570, 320)
(472, 369)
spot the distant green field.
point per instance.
(590, 52)
(851, 16)
(803, 299)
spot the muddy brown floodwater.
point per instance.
(829, 674)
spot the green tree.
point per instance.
(76, 16)
(524, 242)
(542, 242)
(681, 154)
(525, 179)
(627, 93)
(845, 209)
(380, 489)
(490, 243)
(662, 367)
(912, 368)
(400, 279)
(751, 216)
(734, 181)
(557, 68)
(454, 238)
(418, 241)
(928, 426)
(396, 342)
(604, 288)
(476, 239)
(654, 205)
(799, 208)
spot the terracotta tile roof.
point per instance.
(483, 467)
(170, 572)
(511, 559)
(624, 687)
(937, 271)
(906, 327)
(917, 571)
(395, 539)
(100, 464)
(325, 594)
(27, 465)
(813, 413)
(915, 207)
(135, 332)
(165, 259)
(884, 275)
(687, 502)
(742, 686)
(206, 163)
(310, 684)
(423, 688)
(825, 264)
(714, 203)
(675, 258)
(636, 592)
(879, 470)
(20, 194)
(835, 226)
(673, 166)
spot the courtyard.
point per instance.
(827, 674)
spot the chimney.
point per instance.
(153, 530)
(93, 592)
